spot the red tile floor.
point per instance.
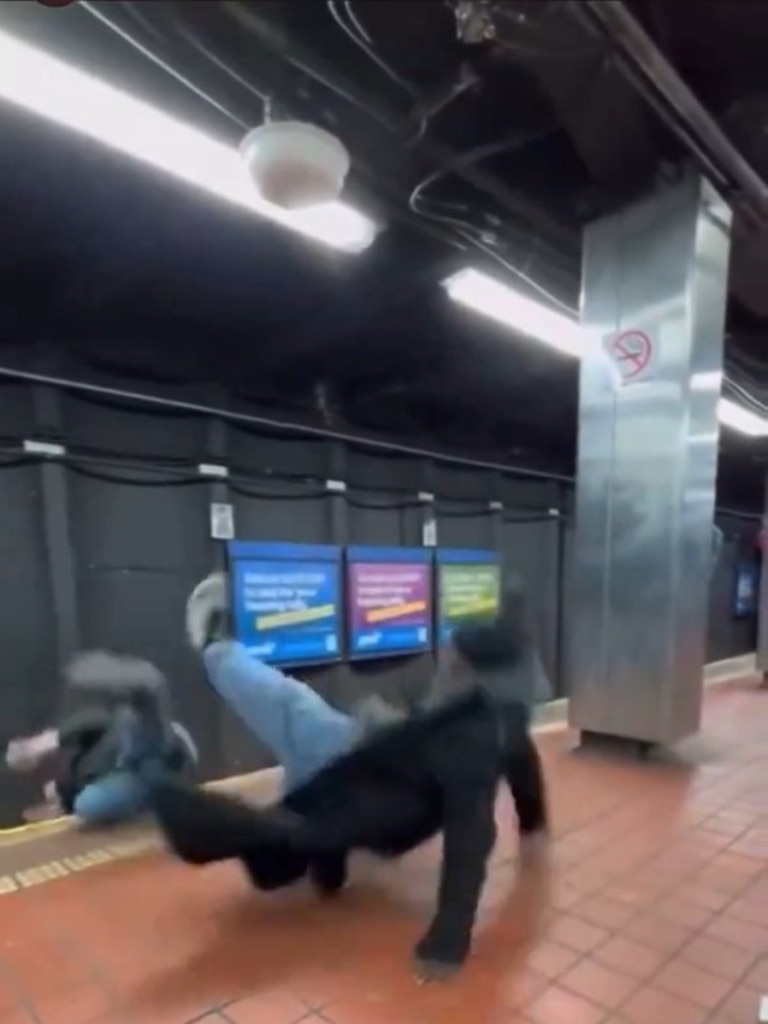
(655, 911)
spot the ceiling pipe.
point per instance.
(652, 74)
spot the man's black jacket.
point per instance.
(436, 771)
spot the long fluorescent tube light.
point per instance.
(495, 300)
(33, 79)
(489, 297)
(739, 417)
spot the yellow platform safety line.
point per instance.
(33, 828)
(42, 873)
(54, 869)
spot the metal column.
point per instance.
(762, 613)
(653, 300)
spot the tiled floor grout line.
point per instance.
(616, 932)
(26, 1006)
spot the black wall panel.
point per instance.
(461, 482)
(17, 416)
(139, 550)
(277, 455)
(385, 471)
(459, 527)
(383, 520)
(531, 494)
(132, 431)
(288, 515)
(532, 549)
(29, 680)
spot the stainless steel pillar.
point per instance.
(762, 614)
(653, 298)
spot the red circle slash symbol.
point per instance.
(54, 3)
(631, 351)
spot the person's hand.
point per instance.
(25, 753)
(17, 756)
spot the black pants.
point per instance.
(526, 781)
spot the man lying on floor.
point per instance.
(95, 773)
(436, 771)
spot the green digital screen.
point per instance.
(467, 591)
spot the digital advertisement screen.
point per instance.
(286, 600)
(747, 590)
(389, 597)
(469, 584)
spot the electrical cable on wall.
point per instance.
(84, 466)
(90, 468)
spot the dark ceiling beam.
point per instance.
(680, 109)
(589, 93)
(663, 88)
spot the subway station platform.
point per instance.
(654, 908)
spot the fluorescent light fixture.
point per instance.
(33, 79)
(739, 417)
(495, 300)
(485, 295)
(707, 380)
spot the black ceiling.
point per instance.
(123, 268)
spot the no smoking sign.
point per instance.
(633, 353)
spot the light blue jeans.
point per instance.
(116, 797)
(302, 730)
(123, 794)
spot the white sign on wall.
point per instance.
(429, 532)
(222, 521)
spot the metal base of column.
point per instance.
(614, 746)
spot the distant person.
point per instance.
(96, 757)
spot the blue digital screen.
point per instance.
(286, 600)
(389, 606)
(747, 590)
